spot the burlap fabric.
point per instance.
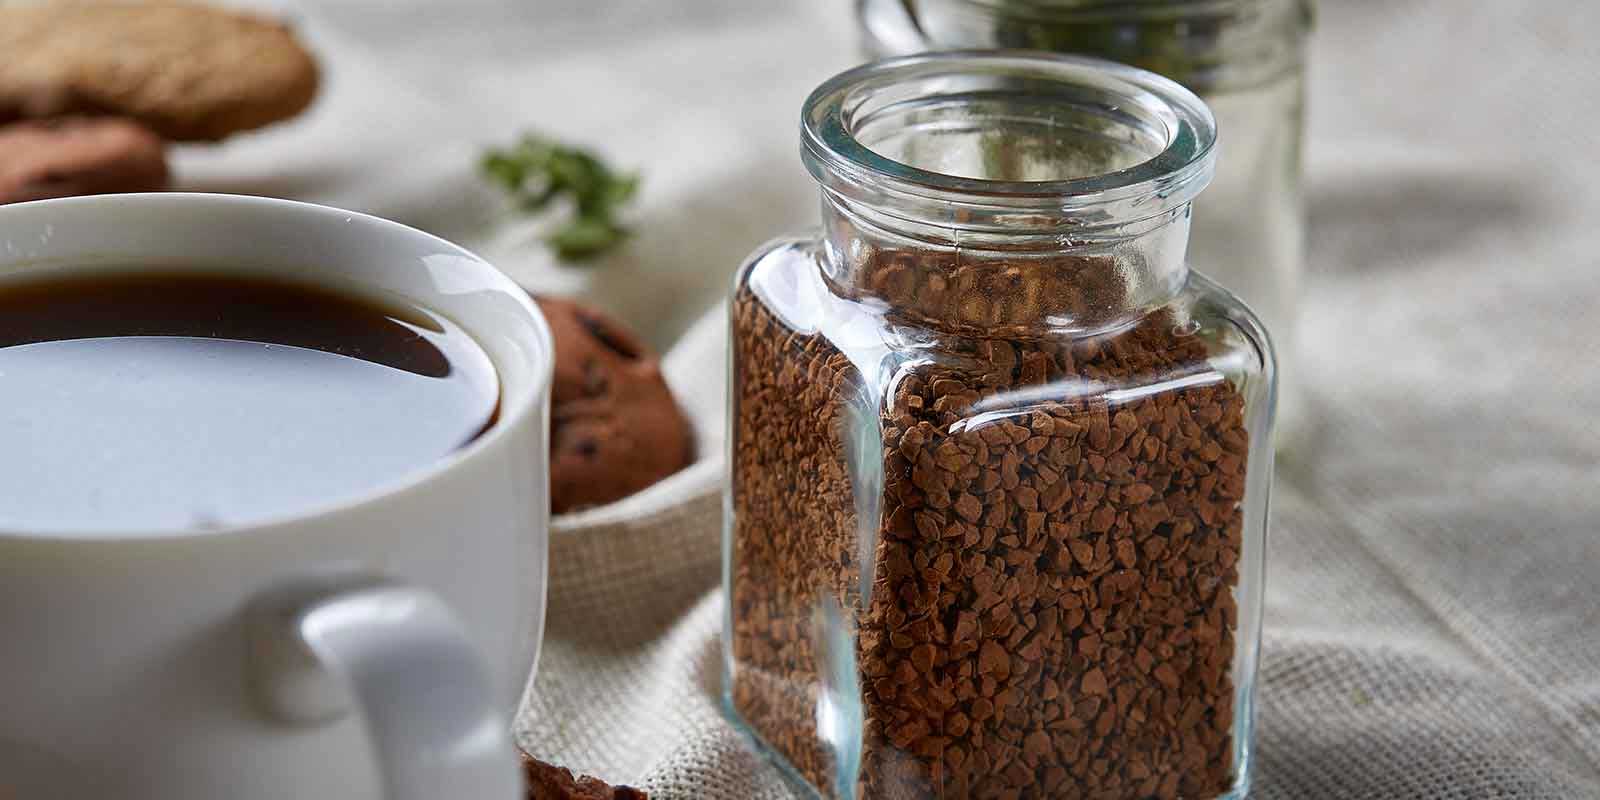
(1433, 611)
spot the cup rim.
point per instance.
(513, 415)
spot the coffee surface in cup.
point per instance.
(171, 400)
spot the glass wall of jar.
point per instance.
(1244, 57)
(999, 472)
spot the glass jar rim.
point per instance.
(1165, 180)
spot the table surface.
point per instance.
(1433, 615)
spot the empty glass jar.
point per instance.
(999, 459)
(1246, 58)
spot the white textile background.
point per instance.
(1433, 610)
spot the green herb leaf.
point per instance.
(537, 170)
(584, 238)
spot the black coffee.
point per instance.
(169, 400)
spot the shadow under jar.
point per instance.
(999, 460)
(1245, 58)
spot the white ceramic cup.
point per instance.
(372, 648)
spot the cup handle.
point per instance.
(399, 656)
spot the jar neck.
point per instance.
(943, 274)
(1006, 193)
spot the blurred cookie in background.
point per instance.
(41, 159)
(186, 72)
(614, 425)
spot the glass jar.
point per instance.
(998, 490)
(1246, 58)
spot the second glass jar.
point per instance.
(999, 460)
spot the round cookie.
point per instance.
(187, 72)
(69, 156)
(614, 426)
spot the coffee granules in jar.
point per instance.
(997, 504)
(1052, 611)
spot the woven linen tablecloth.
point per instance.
(1433, 606)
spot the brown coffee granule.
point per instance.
(1052, 609)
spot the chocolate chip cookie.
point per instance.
(187, 72)
(614, 426)
(550, 782)
(41, 159)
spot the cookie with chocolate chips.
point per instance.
(614, 426)
(550, 782)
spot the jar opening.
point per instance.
(998, 133)
(1005, 129)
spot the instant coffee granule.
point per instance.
(1052, 608)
